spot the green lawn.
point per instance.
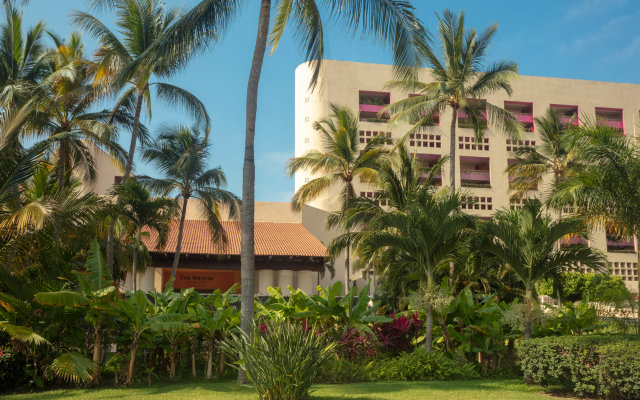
(453, 390)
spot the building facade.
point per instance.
(480, 167)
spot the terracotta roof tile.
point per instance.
(271, 238)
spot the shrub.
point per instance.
(12, 369)
(282, 362)
(397, 336)
(421, 365)
(576, 286)
(341, 370)
(356, 345)
(589, 365)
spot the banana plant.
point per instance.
(216, 318)
(95, 293)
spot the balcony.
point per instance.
(573, 240)
(371, 104)
(475, 172)
(569, 115)
(523, 111)
(429, 161)
(617, 243)
(463, 117)
(611, 117)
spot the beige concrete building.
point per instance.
(480, 167)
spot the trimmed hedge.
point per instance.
(601, 365)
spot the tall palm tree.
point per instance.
(526, 242)
(400, 178)
(145, 26)
(606, 190)
(421, 239)
(460, 81)
(341, 162)
(181, 154)
(555, 155)
(143, 211)
(21, 66)
(63, 103)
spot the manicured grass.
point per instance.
(453, 390)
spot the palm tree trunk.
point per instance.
(132, 360)
(62, 170)
(428, 337)
(347, 260)
(452, 151)
(247, 253)
(528, 299)
(176, 257)
(127, 172)
(134, 264)
(97, 351)
(209, 372)
(638, 272)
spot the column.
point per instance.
(285, 278)
(265, 278)
(308, 282)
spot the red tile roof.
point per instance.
(271, 238)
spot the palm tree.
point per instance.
(460, 80)
(422, 240)
(555, 155)
(181, 154)
(341, 162)
(606, 190)
(145, 27)
(526, 243)
(143, 211)
(21, 66)
(63, 102)
(400, 178)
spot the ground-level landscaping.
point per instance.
(451, 390)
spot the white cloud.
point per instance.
(588, 7)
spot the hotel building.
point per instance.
(480, 167)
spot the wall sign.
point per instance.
(202, 279)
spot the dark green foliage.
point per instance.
(341, 370)
(576, 286)
(12, 373)
(589, 365)
(421, 365)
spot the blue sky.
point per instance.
(582, 39)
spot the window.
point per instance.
(470, 143)
(569, 115)
(611, 117)
(432, 141)
(466, 121)
(477, 203)
(366, 136)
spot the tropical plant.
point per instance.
(145, 27)
(143, 211)
(420, 240)
(460, 81)
(555, 155)
(63, 102)
(526, 243)
(181, 154)
(21, 65)
(605, 190)
(281, 360)
(96, 293)
(341, 162)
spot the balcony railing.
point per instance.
(569, 120)
(475, 174)
(524, 118)
(371, 108)
(611, 123)
(620, 245)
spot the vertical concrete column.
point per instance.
(285, 278)
(157, 279)
(265, 279)
(308, 282)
